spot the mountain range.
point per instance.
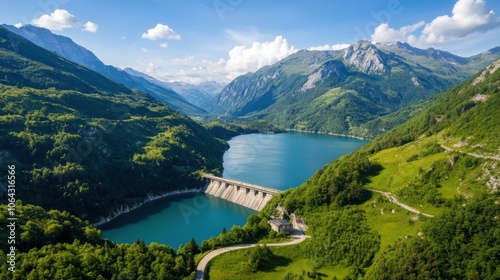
(340, 91)
(87, 145)
(363, 90)
(425, 194)
(199, 94)
(83, 143)
(68, 49)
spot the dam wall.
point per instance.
(248, 195)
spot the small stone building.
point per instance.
(281, 226)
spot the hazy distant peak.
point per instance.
(68, 49)
(61, 45)
(403, 48)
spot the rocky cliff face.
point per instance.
(366, 58)
(247, 93)
(333, 70)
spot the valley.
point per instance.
(456, 190)
(343, 91)
(271, 160)
(384, 150)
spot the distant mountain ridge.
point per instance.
(430, 52)
(83, 143)
(44, 69)
(339, 91)
(444, 162)
(198, 95)
(68, 49)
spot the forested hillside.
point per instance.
(65, 47)
(84, 146)
(444, 163)
(57, 245)
(87, 145)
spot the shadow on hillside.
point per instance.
(373, 171)
(277, 261)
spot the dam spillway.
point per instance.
(248, 195)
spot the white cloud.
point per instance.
(164, 45)
(90, 27)
(18, 25)
(244, 59)
(56, 21)
(469, 16)
(144, 50)
(60, 20)
(161, 31)
(383, 33)
(335, 47)
(188, 69)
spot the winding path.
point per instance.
(298, 236)
(448, 149)
(397, 202)
(393, 199)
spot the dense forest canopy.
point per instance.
(87, 145)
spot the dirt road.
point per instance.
(405, 206)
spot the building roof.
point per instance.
(280, 222)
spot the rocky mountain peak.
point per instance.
(333, 70)
(366, 58)
(362, 45)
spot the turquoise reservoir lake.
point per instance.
(279, 161)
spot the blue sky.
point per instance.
(196, 41)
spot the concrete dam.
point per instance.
(248, 195)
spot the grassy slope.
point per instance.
(465, 175)
(411, 154)
(232, 265)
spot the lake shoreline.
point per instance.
(328, 133)
(280, 161)
(126, 209)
